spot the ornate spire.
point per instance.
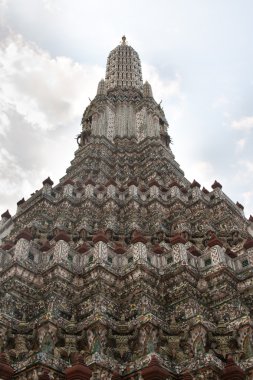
(123, 107)
(101, 88)
(123, 68)
(147, 90)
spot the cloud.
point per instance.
(14, 181)
(243, 124)
(221, 102)
(51, 5)
(240, 144)
(248, 198)
(202, 172)
(162, 88)
(4, 121)
(42, 99)
(167, 90)
(248, 165)
(243, 170)
(46, 91)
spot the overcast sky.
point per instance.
(197, 55)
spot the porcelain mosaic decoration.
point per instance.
(125, 269)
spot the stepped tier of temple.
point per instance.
(125, 269)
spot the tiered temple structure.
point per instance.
(125, 269)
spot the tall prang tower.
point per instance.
(125, 269)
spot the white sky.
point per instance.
(197, 55)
